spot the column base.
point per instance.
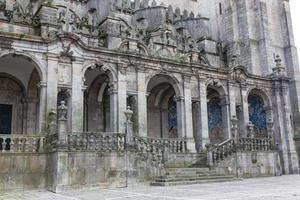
(191, 146)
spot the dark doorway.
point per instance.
(5, 118)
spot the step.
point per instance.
(193, 178)
(193, 182)
(192, 173)
(189, 169)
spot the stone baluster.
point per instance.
(20, 148)
(3, 144)
(12, 145)
(26, 144)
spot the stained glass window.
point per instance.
(172, 117)
(215, 128)
(257, 114)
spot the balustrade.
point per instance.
(169, 144)
(222, 150)
(144, 146)
(255, 144)
(88, 141)
(17, 143)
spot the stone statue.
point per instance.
(2, 5)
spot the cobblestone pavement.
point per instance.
(274, 188)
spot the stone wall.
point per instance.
(22, 171)
(99, 169)
(251, 164)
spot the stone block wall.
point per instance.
(22, 171)
(71, 170)
(251, 164)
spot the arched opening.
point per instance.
(257, 113)
(97, 103)
(19, 99)
(215, 116)
(162, 108)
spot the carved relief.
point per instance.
(64, 74)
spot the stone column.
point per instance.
(42, 109)
(245, 109)
(226, 118)
(122, 97)
(203, 113)
(191, 146)
(197, 124)
(52, 82)
(180, 117)
(77, 101)
(231, 99)
(113, 99)
(142, 103)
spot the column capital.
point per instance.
(112, 88)
(179, 98)
(52, 57)
(42, 84)
(187, 78)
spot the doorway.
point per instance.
(5, 118)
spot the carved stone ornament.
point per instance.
(22, 13)
(2, 5)
(239, 76)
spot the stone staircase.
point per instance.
(191, 175)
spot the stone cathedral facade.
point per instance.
(113, 93)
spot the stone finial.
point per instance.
(185, 14)
(278, 70)
(128, 113)
(177, 14)
(192, 15)
(154, 3)
(2, 5)
(145, 4)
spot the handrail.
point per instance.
(172, 145)
(95, 141)
(146, 148)
(21, 143)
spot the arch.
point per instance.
(142, 47)
(217, 86)
(163, 108)
(215, 114)
(41, 68)
(102, 92)
(169, 78)
(257, 101)
(103, 67)
(261, 93)
(20, 84)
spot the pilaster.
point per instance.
(52, 82)
(77, 96)
(203, 113)
(122, 97)
(142, 103)
(245, 108)
(42, 107)
(191, 146)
